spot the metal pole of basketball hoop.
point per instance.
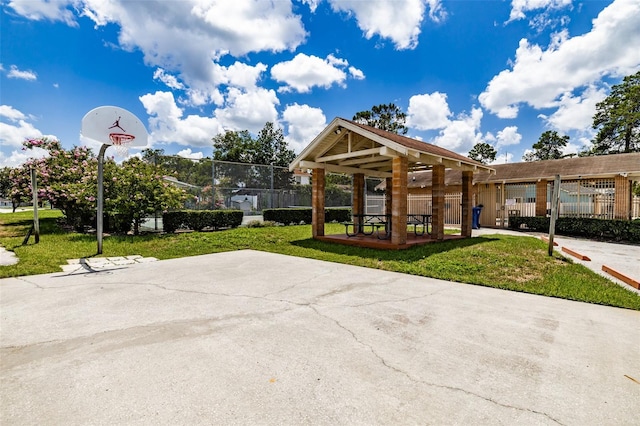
(100, 216)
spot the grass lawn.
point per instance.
(501, 261)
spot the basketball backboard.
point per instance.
(113, 125)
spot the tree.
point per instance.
(234, 146)
(20, 185)
(385, 117)
(67, 178)
(269, 148)
(483, 152)
(5, 183)
(6, 186)
(548, 147)
(138, 189)
(617, 119)
(272, 149)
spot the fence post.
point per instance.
(271, 189)
(34, 190)
(213, 184)
(554, 212)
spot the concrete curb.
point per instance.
(575, 254)
(622, 277)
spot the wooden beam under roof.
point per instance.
(346, 155)
(362, 160)
(341, 169)
(376, 165)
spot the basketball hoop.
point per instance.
(121, 141)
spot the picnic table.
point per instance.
(367, 224)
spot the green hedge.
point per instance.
(200, 219)
(303, 215)
(611, 230)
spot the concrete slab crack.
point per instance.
(436, 385)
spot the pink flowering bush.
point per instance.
(68, 179)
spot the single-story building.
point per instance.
(596, 186)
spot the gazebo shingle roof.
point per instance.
(345, 146)
(417, 145)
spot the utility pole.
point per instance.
(100, 217)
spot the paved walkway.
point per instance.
(249, 337)
(100, 264)
(7, 257)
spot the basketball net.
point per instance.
(121, 141)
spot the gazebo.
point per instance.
(347, 147)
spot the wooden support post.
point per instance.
(317, 203)
(399, 201)
(467, 204)
(437, 200)
(541, 198)
(622, 207)
(357, 205)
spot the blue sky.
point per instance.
(500, 72)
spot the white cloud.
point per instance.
(508, 136)
(538, 77)
(576, 112)
(313, 4)
(356, 73)
(436, 11)
(197, 98)
(16, 158)
(187, 153)
(238, 75)
(11, 113)
(241, 75)
(29, 75)
(13, 134)
(248, 110)
(167, 124)
(168, 79)
(428, 111)
(304, 123)
(571, 148)
(398, 21)
(520, 7)
(504, 158)
(189, 36)
(461, 134)
(303, 72)
(45, 10)
(14, 129)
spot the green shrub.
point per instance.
(602, 229)
(260, 224)
(200, 219)
(303, 215)
(117, 223)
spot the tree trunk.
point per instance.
(627, 139)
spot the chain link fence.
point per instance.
(251, 187)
